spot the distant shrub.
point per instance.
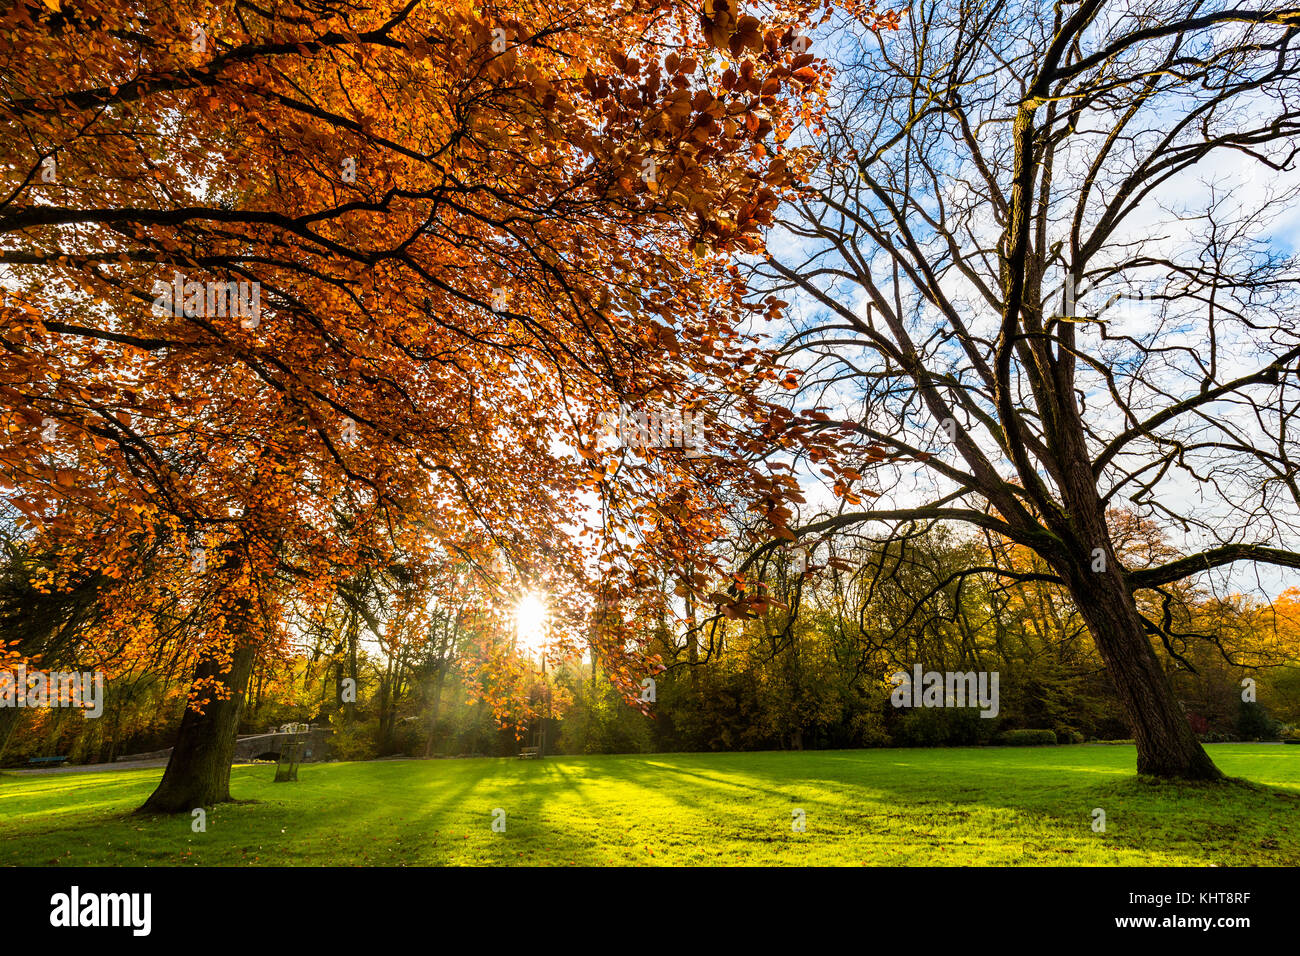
(411, 740)
(1070, 737)
(1028, 738)
(1255, 723)
(868, 729)
(355, 741)
(943, 727)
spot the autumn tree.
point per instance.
(267, 269)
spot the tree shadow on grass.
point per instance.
(891, 806)
(1229, 822)
(1235, 821)
(723, 798)
(364, 823)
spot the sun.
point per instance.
(530, 621)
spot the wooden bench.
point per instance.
(53, 760)
(528, 753)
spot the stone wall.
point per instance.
(316, 747)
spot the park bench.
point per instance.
(53, 760)
(528, 753)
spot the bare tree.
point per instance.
(1033, 271)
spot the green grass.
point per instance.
(993, 806)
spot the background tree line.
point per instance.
(811, 673)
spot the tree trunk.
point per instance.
(437, 703)
(388, 694)
(350, 707)
(9, 718)
(257, 694)
(116, 733)
(1166, 744)
(692, 636)
(198, 773)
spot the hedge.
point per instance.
(1028, 738)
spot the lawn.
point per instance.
(990, 806)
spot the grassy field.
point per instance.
(990, 806)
